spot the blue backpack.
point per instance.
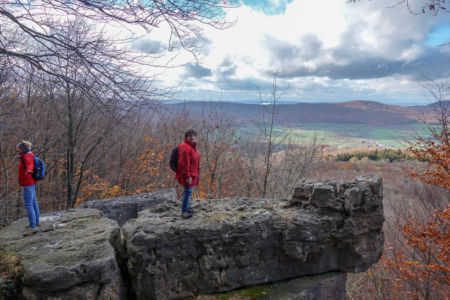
(174, 159)
(39, 169)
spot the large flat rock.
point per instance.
(125, 208)
(233, 243)
(70, 257)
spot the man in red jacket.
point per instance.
(26, 166)
(188, 169)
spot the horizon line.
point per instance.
(293, 102)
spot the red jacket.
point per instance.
(188, 164)
(25, 178)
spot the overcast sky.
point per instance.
(324, 50)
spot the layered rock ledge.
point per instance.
(233, 243)
(71, 256)
(325, 230)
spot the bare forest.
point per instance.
(94, 152)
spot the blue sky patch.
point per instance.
(269, 7)
(439, 35)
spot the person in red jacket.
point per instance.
(187, 171)
(26, 166)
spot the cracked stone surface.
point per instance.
(326, 227)
(233, 243)
(125, 208)
(70, 257)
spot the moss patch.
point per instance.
(218, 218)
(250, 293)
(285, 217)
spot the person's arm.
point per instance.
(28, 161)
(184, 163)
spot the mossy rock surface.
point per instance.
(325, 286)
(234, 243)
(71, 249)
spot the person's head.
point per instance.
(24, 146)
(190, 135)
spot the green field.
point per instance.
(341, 136)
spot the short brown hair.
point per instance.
(190, 132)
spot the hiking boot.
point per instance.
(191, 211)
(186, 215)
(29, 231)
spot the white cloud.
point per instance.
(346, 49)
(320, 48)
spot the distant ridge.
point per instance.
(445, 103)
(357, 111)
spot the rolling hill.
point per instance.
(359, 111)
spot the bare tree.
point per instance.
(87, 76)
(272, 138)
(420, 7)
(35, 18)
(272, 162)
(218, 137)
(434, 145)
(85, 113)
(34, 32)
(439, 98)
(251, 153)
(8, 114)
(293, 163)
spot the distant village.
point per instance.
(374, 144)
(371, 145)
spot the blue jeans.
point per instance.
(31, 206)
(186, 196)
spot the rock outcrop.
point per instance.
(325, 230)
(233, 243)
(125, 208)
(71, 256)
(330, 285)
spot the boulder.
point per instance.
(234, 243)
(125, 208)
(70, 257)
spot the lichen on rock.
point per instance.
(233, 243)
(70, 257)
(228, 244)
